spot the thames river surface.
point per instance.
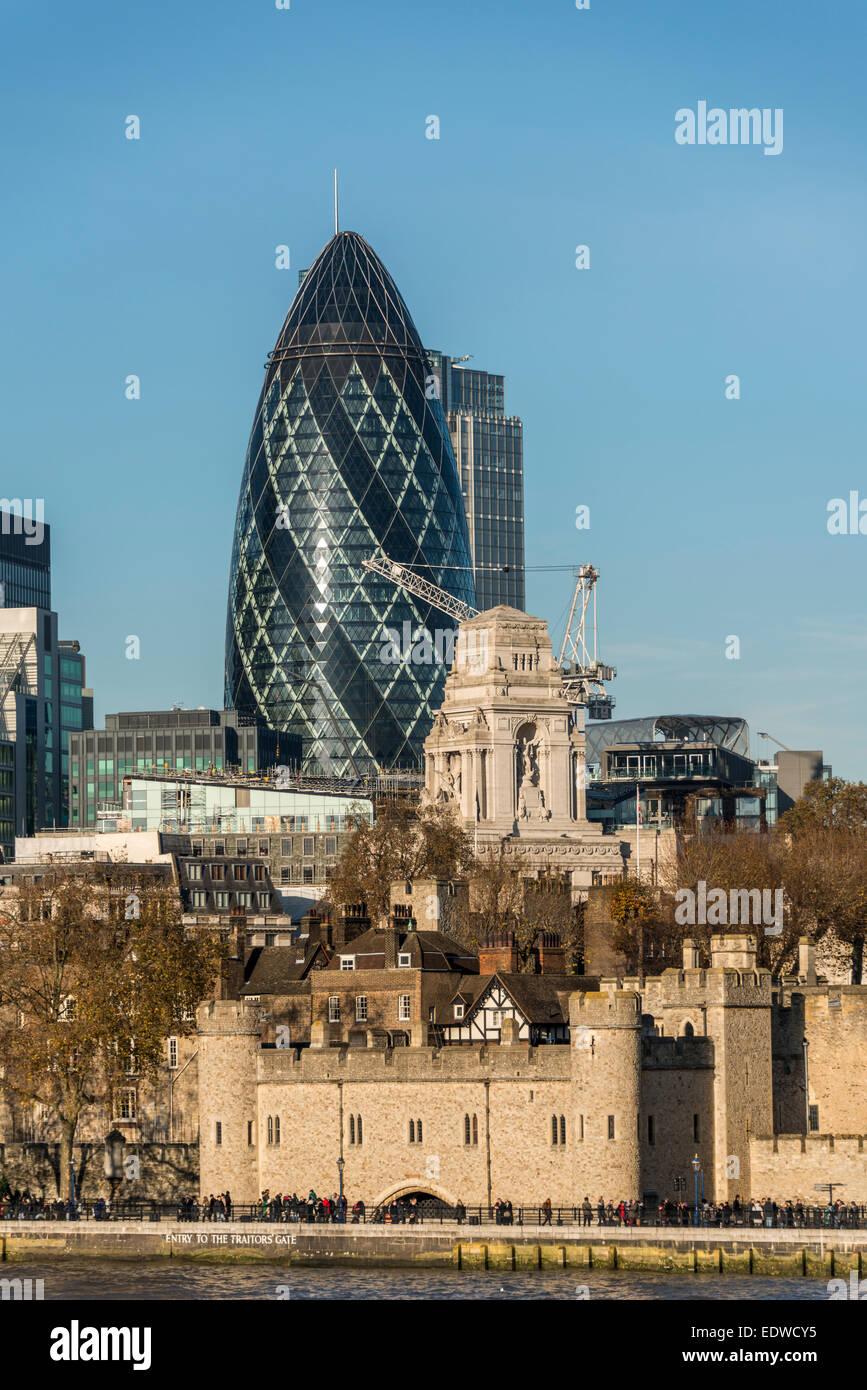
(176, 1280)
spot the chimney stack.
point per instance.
(690, 954)
(498, 951)
(806, 961)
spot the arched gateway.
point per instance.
(424, 1190)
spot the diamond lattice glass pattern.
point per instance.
(348, 459)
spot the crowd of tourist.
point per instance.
(793, 1213)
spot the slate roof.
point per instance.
(429, 950)
(278, 969)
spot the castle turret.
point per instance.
(606, 1082)
(228, 1039)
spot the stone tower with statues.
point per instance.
(508, 750)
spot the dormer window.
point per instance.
(459, 1010)
(404, 959)
(347, 962)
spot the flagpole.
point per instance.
(638, 828)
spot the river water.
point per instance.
(180, 1280)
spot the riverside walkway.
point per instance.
(819, 1254)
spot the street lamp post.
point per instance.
(696, 1168)
(340, 1163)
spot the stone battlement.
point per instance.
(551, 1062)
(228, 1017)
(694, 988)
(605, 1008)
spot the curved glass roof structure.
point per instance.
(348, 459)
(727, 731)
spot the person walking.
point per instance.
(600, 1212)
(545, 1214)
(586, 1212)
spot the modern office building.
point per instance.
(25, 561)
(191, 740)
(695, 764)
(489, 449)
(349, 458)
(43, 703)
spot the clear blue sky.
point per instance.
(156, 257)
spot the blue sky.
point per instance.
(156, 257)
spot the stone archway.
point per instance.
(415, 1187)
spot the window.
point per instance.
(221, 899)
(126, 1104)
(270, 938)
(218, 1132)
(358, 1134)
(250, 1132)
(263, 846)
(404, 1002)
(307, 874)
(651, 1138)
(218, 873)
(264, 901)
(241, 847)
(696, 1136)
(333, 1009)
(610, 1126)
(347, 962)
(273, 1129)
(258, 873)
(352, 1129)
(415, 1133)
(244, 899)
(580, 1126)
(562, 1129)
(459, 1010)
(361, 1008)
(199, 898)
(239, 870)
(471, 1129)
(173, 1052)
(194, 872)
(814, 1119)
(404, 960)
(219, 847)
(554, 1130)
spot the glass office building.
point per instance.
(349, 458)
(489, 449)
(25, 562)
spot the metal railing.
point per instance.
(300, 1212)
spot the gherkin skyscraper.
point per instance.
(349, 458)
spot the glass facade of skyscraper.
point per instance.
(25, 563)
(349, 459)
(489, 449)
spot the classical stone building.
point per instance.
(508, 750)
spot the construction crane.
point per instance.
(771, 739)
(583, 675)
